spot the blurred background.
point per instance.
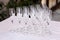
(5, 5)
